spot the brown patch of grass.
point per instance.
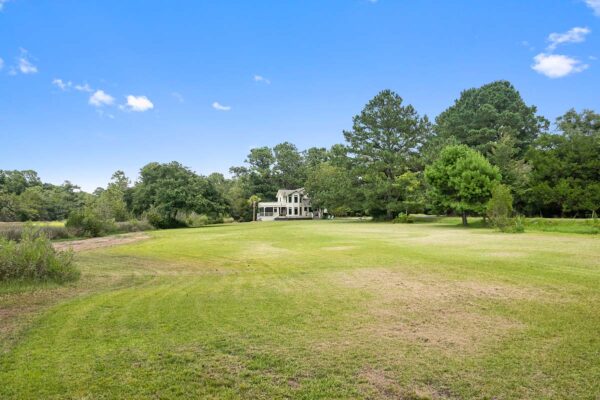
(381, 386)
(338, 248)
(96, 243)
(425, 309)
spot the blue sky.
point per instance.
(87, 88)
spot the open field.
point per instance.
(313, 309)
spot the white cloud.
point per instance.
(217, 106)
(259, 78)
(62, 85)
(594, 5)
(556, 65)
(24, 65)
(138, 104)
(100, 98)
(83, 88)
(574, 35)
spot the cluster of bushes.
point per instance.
(404, 218)
(34, 259)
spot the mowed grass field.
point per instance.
(313, 309)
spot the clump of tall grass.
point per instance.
(563, 225)
(14, 231)
(133, 225)
(34, 258)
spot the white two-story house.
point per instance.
(290, 204)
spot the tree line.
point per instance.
(393, 161)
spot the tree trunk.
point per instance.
(464, 218)
(253, 211)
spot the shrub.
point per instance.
(34, 259)
(87, 223)
(518, 225)
(160, 221)
(403, 218)
(500, 208)
(195, 220)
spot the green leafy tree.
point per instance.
(111, 203)
(384, 143)
(481, 116)
(289, 169)
(565, 176)
(462, 180)
(314, 157)
(330, 187)
(166, 190)
(18, 181)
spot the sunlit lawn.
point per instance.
(324, 309)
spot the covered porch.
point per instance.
(269, 211)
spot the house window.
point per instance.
(295, 210)
(289, 211)
(289, 199)
(295, 199)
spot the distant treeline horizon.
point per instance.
(392, 161)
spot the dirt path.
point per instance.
(96, 243)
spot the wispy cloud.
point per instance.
(525, 43)
(259, 78)
(100, 98)
(2, 2)
(62, 85)
(24, 65)
(1, 64)
(137, 104)
(178, 96)
(574, 35)
(218, 106)
(83, 88)
(557, 65)
(594, 5)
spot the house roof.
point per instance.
(287, 192)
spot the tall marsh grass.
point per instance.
(34, 258)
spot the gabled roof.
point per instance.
(287, 192)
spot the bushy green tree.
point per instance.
(481, 116)
(168, 189)
(110, 204)
(289, 170)
(330, 187)
(565, 176)
(462, 180)
(384, 143)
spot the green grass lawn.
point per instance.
(323, 309)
